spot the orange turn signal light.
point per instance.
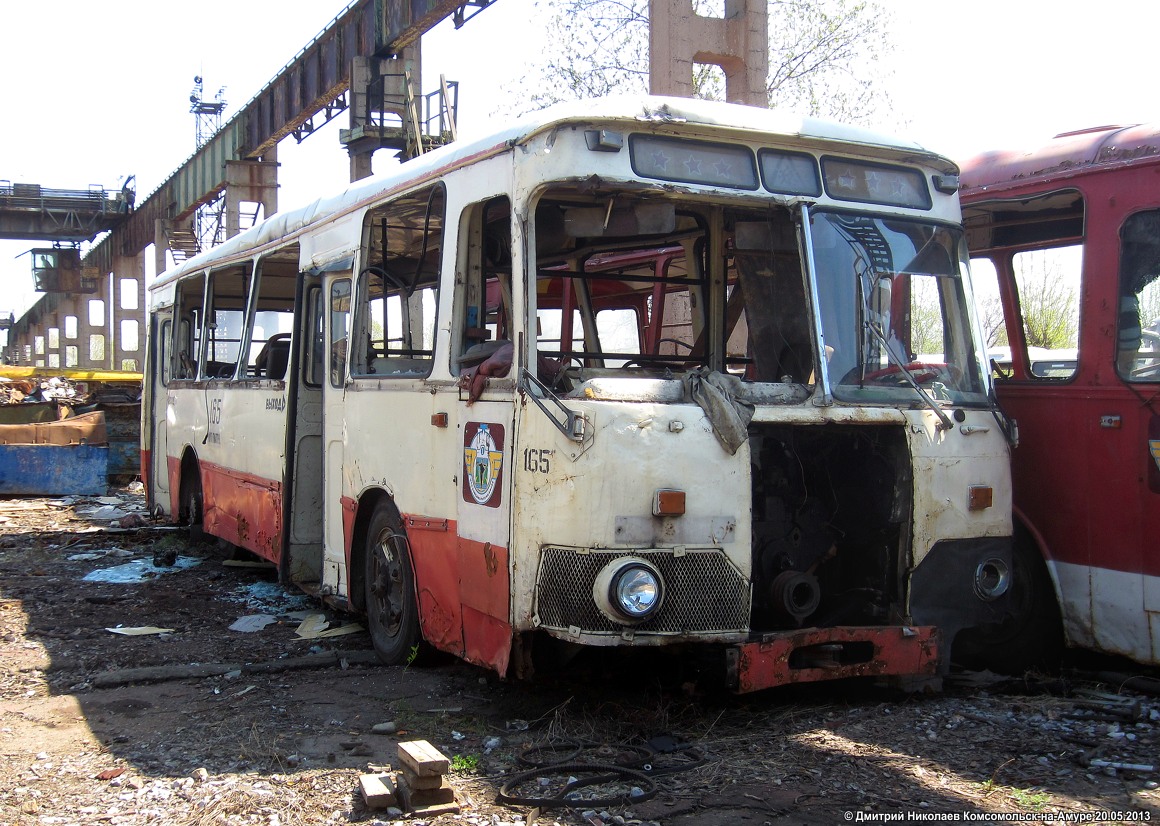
(980, 497)
(668, 502)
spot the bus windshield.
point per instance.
(894, 310)
(639, 286)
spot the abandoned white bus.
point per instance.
(629, 373)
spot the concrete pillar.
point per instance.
(253, 181)
(85, 330)
(51, 321)
(379, 115)
(738, 43)
(160, 246)
(126, 267)
(360, 163)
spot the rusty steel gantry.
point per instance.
(35, 213)
(365, 62)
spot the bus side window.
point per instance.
(1046, 307)
(226, 320)
(339, 330)
(314, 328)
(985, 281)
(271, 316)
(1138, 325)
(1048, 283)
(484, 304)
(187, 346)
(398, 287)
(164, 350)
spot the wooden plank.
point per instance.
(415, 799)
(422, 758)
(417, 782)
(378, 790)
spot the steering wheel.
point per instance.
(562, 374)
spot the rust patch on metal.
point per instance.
(490, 561)
(794, 657)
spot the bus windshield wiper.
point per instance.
(945, 422)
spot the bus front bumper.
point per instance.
(815, 654)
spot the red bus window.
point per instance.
(985, 280)
(1138, 325)
(1048, 285)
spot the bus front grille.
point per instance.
(704, 593)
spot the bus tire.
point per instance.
(1032, 638)
(192, 503)
(389, 589)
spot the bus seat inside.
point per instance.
(275, 356)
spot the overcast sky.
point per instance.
(93, 92)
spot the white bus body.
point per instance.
(630, 373)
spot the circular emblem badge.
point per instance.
(482, 460)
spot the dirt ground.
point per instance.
(203, 724)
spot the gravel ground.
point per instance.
(261, 726)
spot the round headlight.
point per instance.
(637, 591)
(992, 579)
(628, 590)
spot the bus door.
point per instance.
(484, 414)
(307, 380)
(338, 512)
(1131, 426)
(482, 526)
(155, 466)
(1039, 385)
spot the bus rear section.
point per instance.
(1068, 237)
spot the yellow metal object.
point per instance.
(73, 374)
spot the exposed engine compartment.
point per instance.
(831, 507)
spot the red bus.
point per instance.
(1069, 235)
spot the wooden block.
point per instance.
(422, 758)
(416, 782)
(422, 800)
(416, 797)
(378, 790)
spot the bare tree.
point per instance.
(825, 56)
(994, 325)
(1049, 299)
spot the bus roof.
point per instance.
(1070, 153)
(637, 110)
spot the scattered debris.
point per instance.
(259, 564)
(253, 622)
(139, 630)
(271, 597)
(161, 673)
(316, 626)
(139, 570)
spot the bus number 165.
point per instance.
(537, 460)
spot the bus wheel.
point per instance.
(191, 505)
(392, 609)
(1032, 638)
